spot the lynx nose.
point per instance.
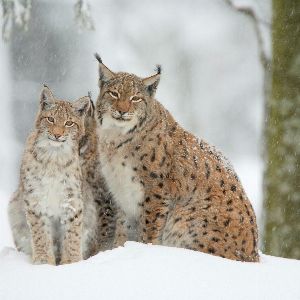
(57, 136)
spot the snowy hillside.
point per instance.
(139, 271)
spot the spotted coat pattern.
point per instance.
(52, 215)
(177, 190)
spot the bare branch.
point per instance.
(83, 15)
(249, 12)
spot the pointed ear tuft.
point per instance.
(98, 57)
(158, 69)
(105, 74)
(82, 105)
(152, 82)
(46, 98)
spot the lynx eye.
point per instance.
(114, 94)
(136, 99)
(69, 124)
(50, 120)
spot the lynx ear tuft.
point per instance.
(151, 83)
(98, 57)
(82, 105)
(158, 69)
(46, 98)
(105, 74)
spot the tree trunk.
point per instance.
(282, 172)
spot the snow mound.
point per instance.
(139, 271)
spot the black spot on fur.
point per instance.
(207, 170)
(211, 250)
(153, 155)
(233, 188)
(162, 161)
(153, 175)
(215, 239)
(143, 156)
(226, 222)
(125, 142)
(206, 207)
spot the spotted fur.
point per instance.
(111, 231)
(52, 214)
(175, 190)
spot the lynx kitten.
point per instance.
(174, 189)
(52, 214)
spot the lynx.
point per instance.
(174, 189)
(52, 214)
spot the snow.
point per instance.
(139, 271)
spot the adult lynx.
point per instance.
(176, 190)
(52, 214)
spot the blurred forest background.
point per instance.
(217, 81)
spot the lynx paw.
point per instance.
(40, 260)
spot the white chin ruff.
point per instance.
(108, 122)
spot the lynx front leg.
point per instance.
(42, 242)
(153, 218)
(121, 233)
(72, 241)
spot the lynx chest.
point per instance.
(54, 191)
(123, 183)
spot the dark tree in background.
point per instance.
(282, 172)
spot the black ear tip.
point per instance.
(97, 56)
(46, 86)
(158, 69)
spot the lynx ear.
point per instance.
(152, 82)
(82, 105)
(105, 73)
(46, 99)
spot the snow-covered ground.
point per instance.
(139, 271)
